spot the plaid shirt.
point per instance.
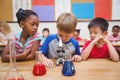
(28, 45)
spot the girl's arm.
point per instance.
(113, 53)
(26, 55)
(34, 48)
(5, 57)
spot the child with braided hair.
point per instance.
(27, 41)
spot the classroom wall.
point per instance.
(6, 13)
(49, 10)
(52, 26)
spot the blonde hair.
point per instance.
(67, 22)
(6, 27)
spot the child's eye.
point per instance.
(90, 32)
(32, 24)
(96, 32)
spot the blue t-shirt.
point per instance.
(50, 46)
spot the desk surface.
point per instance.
(80, 44)
(92, 69)
(3, 44)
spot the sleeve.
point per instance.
(37, 36)
(77, 49)
(45, 47)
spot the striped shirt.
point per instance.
(111, 38)
(28, 45)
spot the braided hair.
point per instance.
(23, 14)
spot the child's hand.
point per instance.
(99, 38)
(47, 62)
(27, 50)
(76, 58)
(105, 40)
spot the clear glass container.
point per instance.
(68, 66)
(13, 73)
(38, 68)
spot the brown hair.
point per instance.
(67, 23)
(6, 27)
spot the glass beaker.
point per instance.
(13, 73)
(38, 68)
(68, 67)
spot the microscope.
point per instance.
(60, 51)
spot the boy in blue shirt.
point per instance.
(66, 25)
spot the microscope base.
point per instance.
(60, 60)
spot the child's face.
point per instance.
(65, 36)
(94, 32)
(45, 33)
(30, 25)
(115, 31)
(75, 34)
(2, 29)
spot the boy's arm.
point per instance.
(47, 62)
(86, 52)
(76, 58)
(43, 50)
(113, 53)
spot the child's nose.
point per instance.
(92, 35)
(35, 27)
(63, 38)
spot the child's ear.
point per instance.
(21, 24)
(105, 33)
